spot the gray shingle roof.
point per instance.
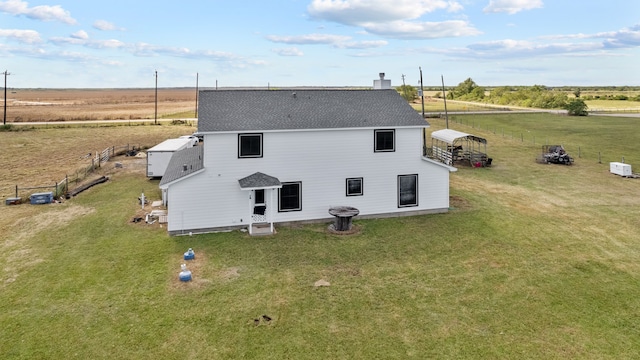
(259, 180)
(191, 157)
(250, 110)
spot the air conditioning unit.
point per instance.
(621, 169)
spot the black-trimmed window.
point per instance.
(407, 190)
(355, 187)
(384, 140)
(290, 197)
(249, 145)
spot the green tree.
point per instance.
(464, 88)
(477, 93)
(577, 107)
(408, 92)
(576, 93)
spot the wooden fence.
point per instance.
(95, 160)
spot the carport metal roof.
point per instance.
(450, 136)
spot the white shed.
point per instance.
(158, 157)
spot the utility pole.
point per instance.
(421, 91)
(4, 120)
(156, 114)
(196, 112)
(404, 88)
(444, 96)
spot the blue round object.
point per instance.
(189, 255)
(185, 275)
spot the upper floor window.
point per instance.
(384, 140)
(249, 145)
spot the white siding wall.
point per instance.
(322, 161)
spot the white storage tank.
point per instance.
(621, 169)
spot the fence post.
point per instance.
(579, 152)
(16, 190)
(599, 158)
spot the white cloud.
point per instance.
(308, 39)
(512, 6)
(509, 48)
(336, 41)
(292, 51)
(24, 36)
(81, 38)
(623, 38)
(41, 12)
(105, 25)
(80, 34)
(356, 12)
(423, 30)
(361, 44)
(393, 19)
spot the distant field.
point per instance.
(27, 105)
(59, 105)
(613, 105)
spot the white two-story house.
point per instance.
(277, 156)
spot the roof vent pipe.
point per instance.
(381, 76)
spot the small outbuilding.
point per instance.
(158, 157)
(455, 147)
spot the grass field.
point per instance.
(58, 105)
(532, 261)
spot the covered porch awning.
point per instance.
(260, 185)
(258, 181)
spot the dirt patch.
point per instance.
(202, 274)
(197, 266)
(355, 229)
(459, 203)
(229, 273)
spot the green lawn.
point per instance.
(532, 261)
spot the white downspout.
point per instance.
(250, 215)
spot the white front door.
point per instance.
(259, 206)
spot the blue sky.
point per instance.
(279, 43)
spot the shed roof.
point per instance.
(292, 109)
(450, 136)
(171, 145)
(191, 158)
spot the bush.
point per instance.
(577, 107)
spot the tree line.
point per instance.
(536, 96)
